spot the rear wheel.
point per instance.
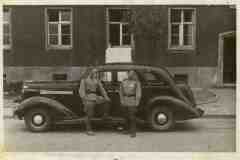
(38, 120)
(161, 118)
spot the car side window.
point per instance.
(105, 76)
(121, 75)
(150, 77)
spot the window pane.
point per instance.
(175, 40)
(126, 40)
(114, 31)
(53, 15)
(115, 15)
(53, 28)
(122, 75)
(118, 15)
(125, 28)
(175, 35)
(6, 39)
(66, 40)
(175, 15)
(65, 15)
(66, 29)
(175, 28)
(187, 34)
(53, 40)
(188, 15)
(6, 28)
(6, 15)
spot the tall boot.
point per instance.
(126, 127)
(89, 127)
(132, 126)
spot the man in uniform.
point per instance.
(130, 95)
(92, 93)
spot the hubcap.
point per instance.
(38, 119)
(161, 118)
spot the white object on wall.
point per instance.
(118, 55)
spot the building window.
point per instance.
(7, 37)
(59, 28)
(118, 27)
(182, 28)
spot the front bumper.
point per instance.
(16, 114)
(195, 113)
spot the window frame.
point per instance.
(8, 46)
(120, 30)
(58, 46)
(181, 46)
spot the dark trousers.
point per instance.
(89, 108)
(130, 117)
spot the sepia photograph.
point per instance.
(119, 78)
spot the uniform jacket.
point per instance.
(89, 89)
(130, 92)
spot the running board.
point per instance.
(81, 120)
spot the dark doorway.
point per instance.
(229, 60)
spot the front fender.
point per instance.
(177, 104)
(37, 100)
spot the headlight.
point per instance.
(25, 87)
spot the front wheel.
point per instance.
(161, 118)
(38, 120)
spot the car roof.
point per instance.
(127, 66)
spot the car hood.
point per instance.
(53, 85)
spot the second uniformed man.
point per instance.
(130, 96)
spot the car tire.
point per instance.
(38, 120)
(161, 118)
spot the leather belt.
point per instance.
(130, 95)
(91, 92)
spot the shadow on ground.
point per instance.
(109, 128)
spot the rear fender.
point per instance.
(38, 100)
(175, 104)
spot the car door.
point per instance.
(112, 86)
(120, 76)
(111, 81)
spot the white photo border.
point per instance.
(118, 155)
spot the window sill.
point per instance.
(7, 47)
(123, 46)
(181, 51)
(59, 47)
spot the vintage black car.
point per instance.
(164, 101)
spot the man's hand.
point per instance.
(122, 103)
(107, 99)
(137, 102)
